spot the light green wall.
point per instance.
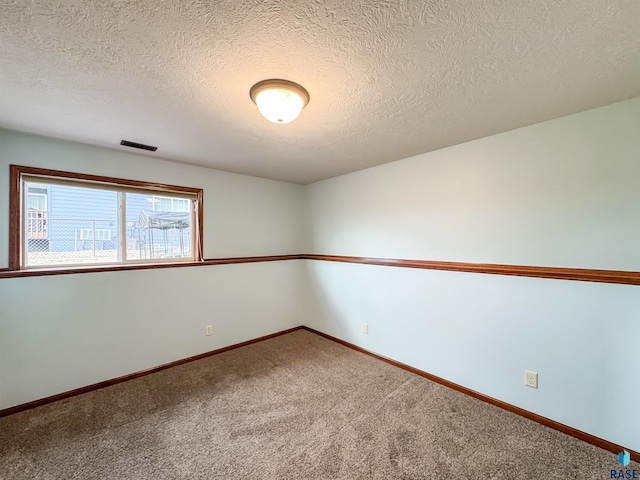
(563, 193)
(58, 333)
(243, 216)
(560, 193)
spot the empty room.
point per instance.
(263, 239)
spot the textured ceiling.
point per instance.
(387, 79)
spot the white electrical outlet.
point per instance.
(530, 379)
(365, 328)
(209, 330)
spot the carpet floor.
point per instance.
(296, 406)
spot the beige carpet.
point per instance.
(293, 407)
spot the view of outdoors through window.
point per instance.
(67, 225)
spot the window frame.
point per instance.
(17, 174)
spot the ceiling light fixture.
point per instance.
(279, 101)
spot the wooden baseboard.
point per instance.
(586, 437)
(78, 391)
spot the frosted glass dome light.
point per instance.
(279, 101)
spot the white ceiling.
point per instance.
(387, 79)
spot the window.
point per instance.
(36, 201)
(167, 204)
(62, 219)
(99, 234)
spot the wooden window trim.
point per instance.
(15, 234)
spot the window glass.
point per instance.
(159, 227)
(77, 226)
(68, 223)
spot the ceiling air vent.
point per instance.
(142, 146)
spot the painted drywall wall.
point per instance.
(561, 193)
(243, 216)
(58, 333)
(63, 332)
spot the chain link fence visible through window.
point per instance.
(68, 241)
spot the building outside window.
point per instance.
(68, 222)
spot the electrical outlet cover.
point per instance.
(530, 379)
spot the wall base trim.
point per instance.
(124, 378)
(580, 435)
(547, 422)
